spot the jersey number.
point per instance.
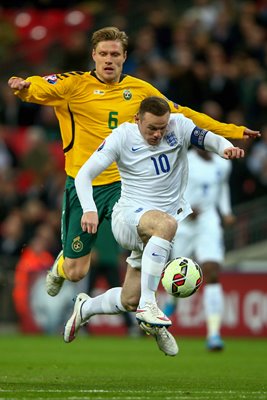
(161, 164)
(113, 120)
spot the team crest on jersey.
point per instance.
(101, 146)
(77, 244)
(51, 79)
(171, 139)
(127, 94)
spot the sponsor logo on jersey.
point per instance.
(137, 148)
(171, 139)
(98, 91)
(51, 79)
(101, 146)
(127, 94)
(77, 245)
(139, 210)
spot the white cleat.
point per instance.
(164, 339)
(150, 314)
(75, 322)
(54, 282)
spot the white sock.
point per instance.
(213, 306)
(106, 303)
(155, 256)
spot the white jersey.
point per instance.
(152, 176)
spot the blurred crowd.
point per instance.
(209, 55)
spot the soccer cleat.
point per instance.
(152, 315)
(164, 339)
(54, 282)
(75, 322)
(215, 343)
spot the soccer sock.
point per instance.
(60, 270)
(154, 258)
(106, 303)
(213, 306)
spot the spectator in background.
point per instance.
(12, 236)
(36, 310)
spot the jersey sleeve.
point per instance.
(202, 120)
(102, 158)
(45, 91)
(214, 143)
(205, 122)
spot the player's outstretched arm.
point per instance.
(232, 153)
(220, 128)
(17, 83)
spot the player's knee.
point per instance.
(74, 275)
(172, 226)
(76, 269)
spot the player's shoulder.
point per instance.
(178, 117)
(181, 122)
(70, 76)
(125, 127)
(132, 80)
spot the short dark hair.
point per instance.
(154, 105)
(109, 33)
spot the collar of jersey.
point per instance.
(95, 76)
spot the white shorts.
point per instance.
(124, 222)
(201, 239)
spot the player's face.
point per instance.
(152, 127)
(109, 58)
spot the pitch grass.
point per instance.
(44, 367)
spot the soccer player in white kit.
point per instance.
(200, 235)
(151, 155)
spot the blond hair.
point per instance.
(109, 33)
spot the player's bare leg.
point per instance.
(72, 269)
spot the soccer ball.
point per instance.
(181, 277)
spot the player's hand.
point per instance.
(16, 83)
(89, 222)
(228, 219)
(232, 153)
(248, 133)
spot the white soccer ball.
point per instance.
(181, 277)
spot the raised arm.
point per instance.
(221, 146)
(226, 130)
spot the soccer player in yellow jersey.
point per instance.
(88, 106)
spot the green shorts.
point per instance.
(75, 242)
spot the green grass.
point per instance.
(43, 367)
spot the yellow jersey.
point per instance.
(88, 109)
